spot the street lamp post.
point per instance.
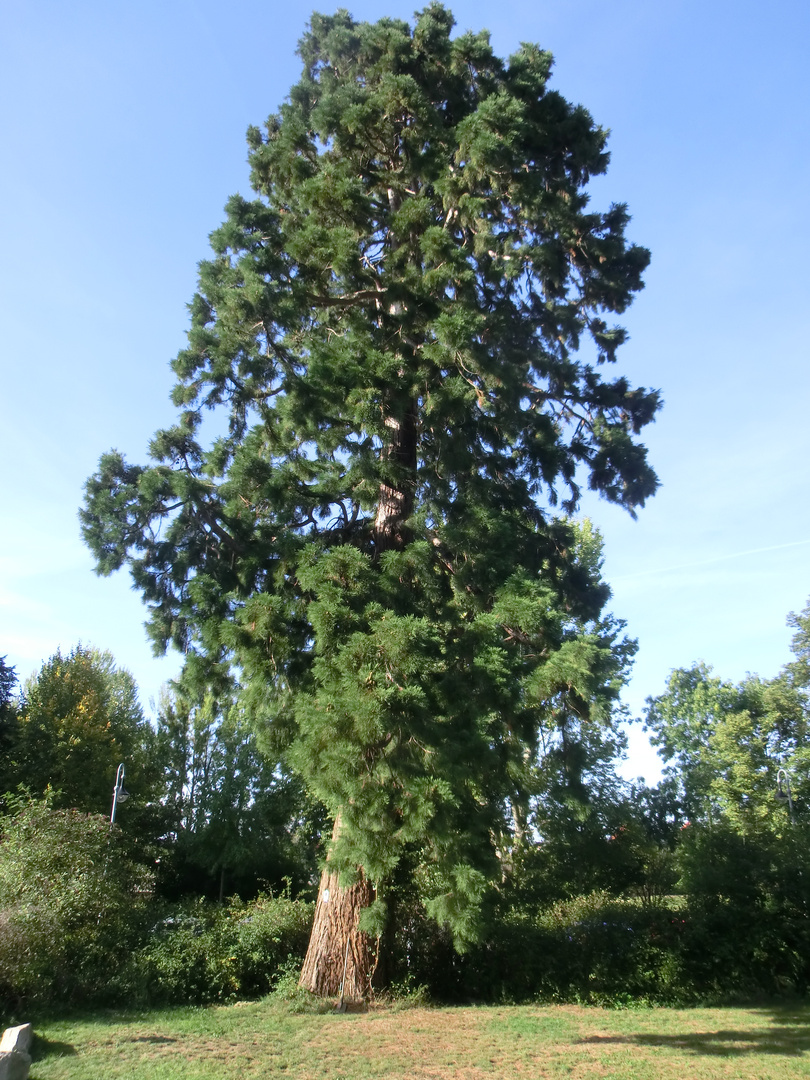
(120, 794)
(783, 794)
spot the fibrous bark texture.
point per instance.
(396, 500)
(338, 960)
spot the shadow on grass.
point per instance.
(42, 1048)
(113, 1016)
(153, 1039)
(790, 1039)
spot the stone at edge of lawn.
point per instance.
(15, 1061)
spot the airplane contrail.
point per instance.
(709, 562)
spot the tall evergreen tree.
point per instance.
(405, 333)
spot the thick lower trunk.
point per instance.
(338, 960)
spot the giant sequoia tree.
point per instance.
(405, 334)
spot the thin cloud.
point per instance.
(709, 562)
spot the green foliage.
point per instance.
(798, 670)
(408, 994)
(726, 744)
(601, 949)
(596, 948)
(291, 996)
(234, 817)
(200, 952)
(404, 337)
(79, 923)
(748, 900)
(71, 903)
(8, 726)
(79, 718)
(741, 856)
(8, 680)
(605, 950)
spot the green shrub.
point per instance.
(606, 950)
(746, 931)
(78, 922)
(72, 904)
(595, 948)
(291, 996)
(603, 950)
(201, 952)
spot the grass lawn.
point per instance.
(262, 1039)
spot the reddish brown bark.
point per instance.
(336, 945)
(396, 500)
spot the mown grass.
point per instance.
(263, 1039)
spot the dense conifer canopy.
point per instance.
(399, 364)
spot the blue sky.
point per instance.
(122, 135)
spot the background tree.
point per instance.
(568, 827)
(725, 744)
(235, 820)
(743, 860)
(682, 722)
(8, 726)
(79, 718)
(390, 331)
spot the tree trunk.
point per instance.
(396, 500)
(338, 960)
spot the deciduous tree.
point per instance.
(71, 902)
(724, 744)
(235, 817)
(80, 717)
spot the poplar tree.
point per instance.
(405, 334)
(234, 815)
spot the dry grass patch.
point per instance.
(261, 1040)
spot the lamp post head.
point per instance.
(782, 779)
(784, 794)
(120, 793)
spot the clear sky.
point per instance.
(121, 137)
